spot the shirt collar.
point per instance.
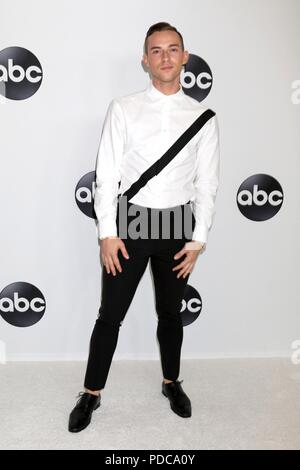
(155, 94)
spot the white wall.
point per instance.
(90, 52)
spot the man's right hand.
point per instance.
(109, 248)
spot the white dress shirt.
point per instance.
(138, 129)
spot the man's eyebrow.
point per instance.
(159, 47)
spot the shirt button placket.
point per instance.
(165, 119)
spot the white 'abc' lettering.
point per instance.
(84, 194)
(253, 198)
(197, 80)
(6, 74)
(189, 305)
(15, 304)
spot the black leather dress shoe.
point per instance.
(179, 401)
(81, 415)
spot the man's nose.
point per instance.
(165, 55)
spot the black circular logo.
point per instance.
(22, 304)
(259, 197)
(84, 194)
(20, 73)
(196, 79)
(191, 305)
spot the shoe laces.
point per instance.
(84, 404)
(80, 394)
(179, 382)
(176, 382)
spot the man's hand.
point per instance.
(191, 250)
(109, 253)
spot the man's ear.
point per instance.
(145, 60)
(186, 57)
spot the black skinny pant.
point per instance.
(118, 292)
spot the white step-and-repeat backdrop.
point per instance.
(61, 63)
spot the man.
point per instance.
(138, 129)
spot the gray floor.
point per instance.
(236, 404)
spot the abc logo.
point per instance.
(22, 304)
(20, 73)
(196, 78)
(191, 305)
(84, 194)
(259, 197)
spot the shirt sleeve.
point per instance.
(206, 181)
(109, 158)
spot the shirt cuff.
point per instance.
(200, 234)
(107, 228)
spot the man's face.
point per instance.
(165, 56)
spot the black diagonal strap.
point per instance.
(169, 154)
